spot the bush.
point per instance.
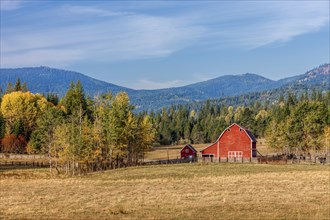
(13, 144)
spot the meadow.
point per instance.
(178, 191)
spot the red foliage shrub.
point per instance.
(13, 144)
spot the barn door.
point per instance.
(235, 154)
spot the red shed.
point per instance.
(188, 151)
(234, 142)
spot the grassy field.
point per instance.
(180, 191)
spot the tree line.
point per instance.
(74, 130)
(290, 124)
(106, 129)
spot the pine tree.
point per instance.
(2, 126)
(18, 86)
(53, 98)
(74, 99)
(24, 87)
(9, 88)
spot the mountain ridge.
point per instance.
(46, 79)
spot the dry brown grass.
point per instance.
(181, 191)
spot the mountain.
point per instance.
(45, 79)
(315, 76)
(230, 86)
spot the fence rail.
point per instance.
(24, 163)
(106, 166)
(21, 156)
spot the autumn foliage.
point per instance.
(13, 144)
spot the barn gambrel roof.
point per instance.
(249, 134)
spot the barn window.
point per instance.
(187, 151)
(240, 129)
(228, 129)
(235, 154)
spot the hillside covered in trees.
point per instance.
(45, 80)
(78, 130)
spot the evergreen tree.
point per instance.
(9, 88)
(18, 128)
(24, 87)
(74, 99)
(2, 126)
(18, 86)
(52, 98)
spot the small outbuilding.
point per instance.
(188, 152)
(234, 142)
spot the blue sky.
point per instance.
(158, 44)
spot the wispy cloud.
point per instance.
(203, 76)
(120, 38)
(149, 84)
(80, 33)
(278, 22)
(89, 10)
(7, 5)
(50, 57)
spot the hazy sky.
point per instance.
(157, 44)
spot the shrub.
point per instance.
(13, 144)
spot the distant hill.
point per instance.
(232, 86)
(45, 79)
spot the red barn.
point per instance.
(188, 151)
(234, 142)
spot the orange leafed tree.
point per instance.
(13, 144)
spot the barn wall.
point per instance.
(234, 139)
(212, 149)
(184, 154)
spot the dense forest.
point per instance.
(290, 123)
(78, 130)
